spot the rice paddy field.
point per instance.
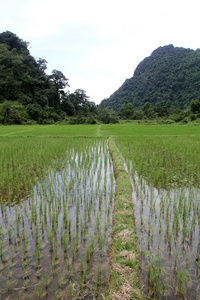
(57, 203)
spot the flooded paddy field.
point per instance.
(166, 196)
(56, 209)
(55, 218)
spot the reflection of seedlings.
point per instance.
(56, 293)
(98, 221)
(64, 242)
(77, 212)
(25, 242)
(70, 270)
(62, 211)
(69, 226)
(73, 252)
(24, 268)
(198, 254)
(38, 291)
(9, 233)
(182, 279)
(80, 284)
(43, 227)
(53, 263)
(2, 253)
(155, 273)
(170, 240)
(56, 252)
(175, 260)
(70, 291)
(36, 235)
(25, 283)
(105, 225)
(50, 236)
(37, 255)
(142, 220)
(17, 224)
(2, 204)
(8, 284)
(8, 276)
(101, 242)
(92, 245)
(88, 253)
(184, 234)
(76, 241)
(98, 277)
(46, 279)
(168, 164)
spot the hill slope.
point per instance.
(169, 74)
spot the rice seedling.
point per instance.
(38, 292)
(98, 277)
(167, 165)
(182, 279)
(37, 255)
(9, 233)
(88, 253)
(60, 211)
(70, 291)
(198, 254)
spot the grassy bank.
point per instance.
(124, 256)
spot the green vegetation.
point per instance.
(56, 215)
(48, 130)
(164, 161)
(66, 217)
(62, 213)
(165, 87)
(29, 96)
(124, 282)
(165, 174)
(166, 80)
(149, 129)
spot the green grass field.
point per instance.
(125, 129)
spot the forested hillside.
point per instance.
(164, 85)
(28, 94)
(170, 76)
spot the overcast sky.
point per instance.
(98, 44)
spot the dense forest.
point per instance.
(169, 77)
(28, 95)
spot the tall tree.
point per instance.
(42, 63)
(195, 106)
(59, 79)
(60, 82)
(127, 109)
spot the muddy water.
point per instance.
(55, 243)
(167, 225)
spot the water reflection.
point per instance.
(167, 224)
(55, 243)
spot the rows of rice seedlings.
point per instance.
(167, 219)
(164, 161)
(55, 242)
(23, 160)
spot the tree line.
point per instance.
(167, 112)
(28, 95)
